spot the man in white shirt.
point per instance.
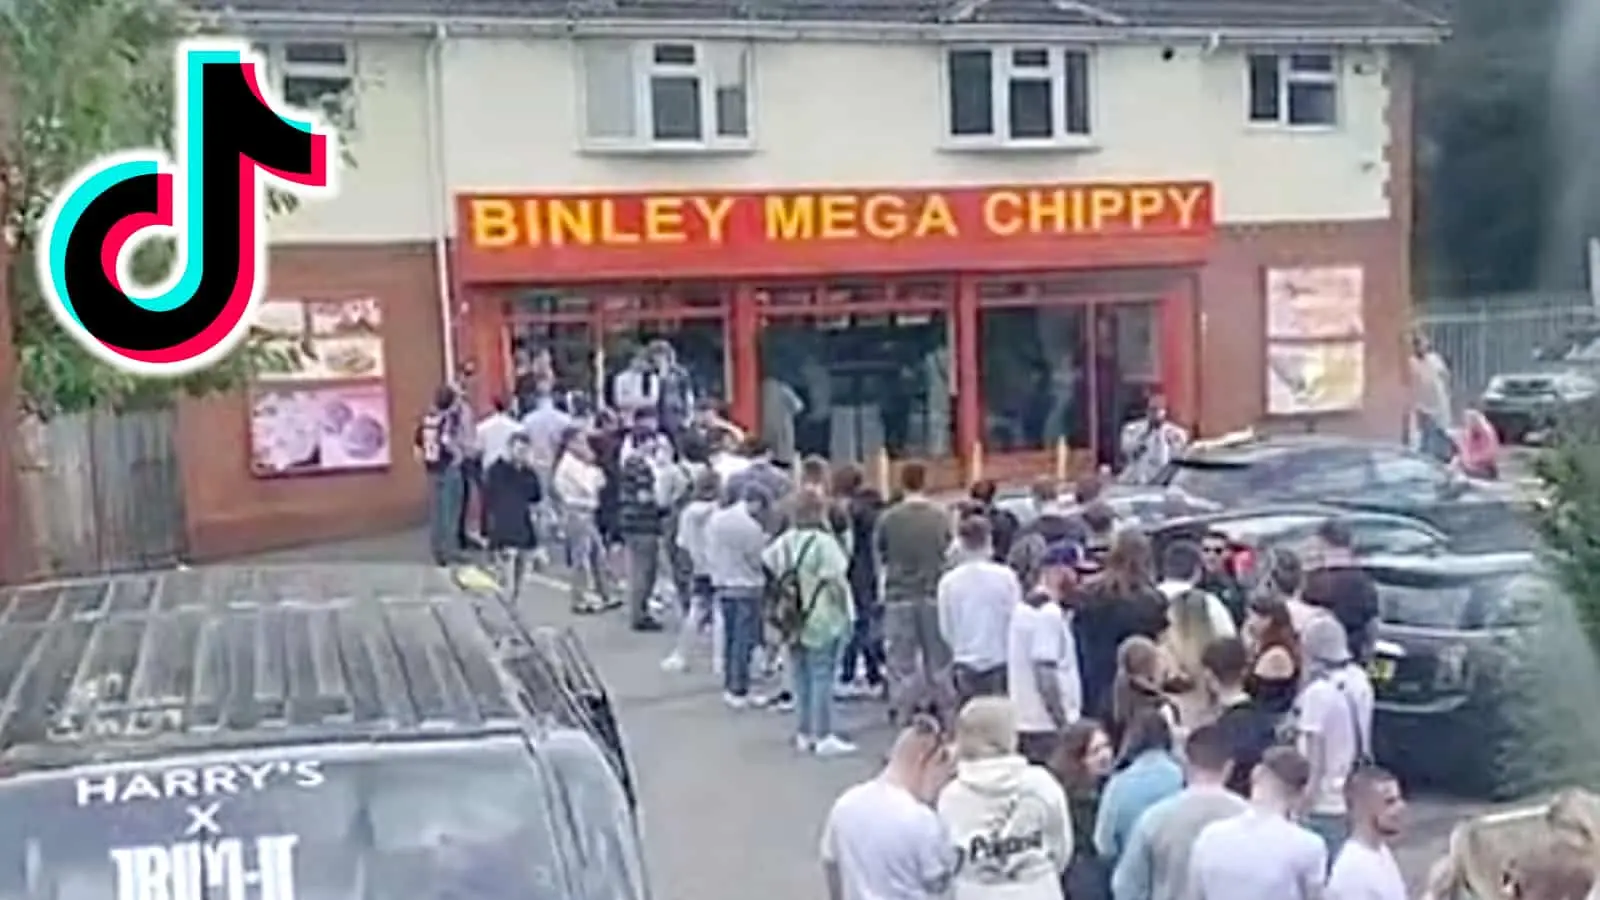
(1365, 868)
(495, 432)
(1261, 854)
(1182, 567)
(976, 599)
(1042, 658)
(636, 388)
(1334, 723)
(882, 839)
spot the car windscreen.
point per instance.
(409, 822)
(1460, 602)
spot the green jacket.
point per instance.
(823, 574)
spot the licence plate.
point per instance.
(1381, 670)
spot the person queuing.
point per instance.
(464, 423)
(809, 572)
(1002, 524)
(580, 483)
(642, 522)
(882, 839)
(1053, 524)
(546, 424)
(1042, 677)
(512, 493)
(1195, 618)
(1276, 658)
(1147, 773)
(1365, 868)
(1217, 575)
(1155, 864)
(911, 539)
(1334, 725)
(691, 540)
(1119, 603)
(1343, 588)
(1082, 763)
(438, 447)
(863, 656)
(1248, 727)
(1140, 684)
(1261, 854)
(735, 540)
(1007, 818)
(976, 599)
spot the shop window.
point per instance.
(1299, 89)
(882, 383)
(1066, 372)
(1026, 96)
(669, 95)
(569, 346)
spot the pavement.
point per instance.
(730, 811)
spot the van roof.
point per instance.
(189, 660)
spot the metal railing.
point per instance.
(1480, 338)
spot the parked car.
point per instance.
(350, 731)
(1254, 531)
(1563, 379)
(1452, 641)
(1351, 474)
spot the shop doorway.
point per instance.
(1056, 366)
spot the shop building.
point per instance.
(974, 232)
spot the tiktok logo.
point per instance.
(231, 140)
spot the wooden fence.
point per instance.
(102, 492)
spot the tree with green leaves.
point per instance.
(88, 77)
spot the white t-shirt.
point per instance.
(887, 844)
(975, 603)
(1333, 707)
(1362, 873)
(1256, 855)
(1041, 634)
(494, 434)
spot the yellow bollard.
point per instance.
(883, 472)
(977, 465)
(1062, 459)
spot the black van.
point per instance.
(303, 732)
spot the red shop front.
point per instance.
(986, 330)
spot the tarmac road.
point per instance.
(730, 811)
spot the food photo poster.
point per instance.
(330, 414)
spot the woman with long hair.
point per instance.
(1464, 871)
(579, 481)
(1140, 684)
(1478, 449)
(1277, 660)
(1084, 759)
(1122, 601)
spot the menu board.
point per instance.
(331, 412)
(1316, 354)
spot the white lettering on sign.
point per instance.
(197, 870)
(194, 783)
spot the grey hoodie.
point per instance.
(1009, 821)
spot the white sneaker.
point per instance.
(833, 745)
(674, 663)
(734, 701)
(804, 744)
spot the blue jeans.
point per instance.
(446, 500)
(741, 633)
(812, 669)
(1333, 829)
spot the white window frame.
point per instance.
(1003, 70)
(1289, 76)
(283, 70)
(644, 69)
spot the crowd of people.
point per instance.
(1075, 718)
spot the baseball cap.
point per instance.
(1068, 554)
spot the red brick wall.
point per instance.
(229, 510)
(1232, 371)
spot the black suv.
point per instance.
(303, 732)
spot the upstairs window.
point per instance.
(1017, 96)
(1300, 90)
(316, 75)
(666, 95)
